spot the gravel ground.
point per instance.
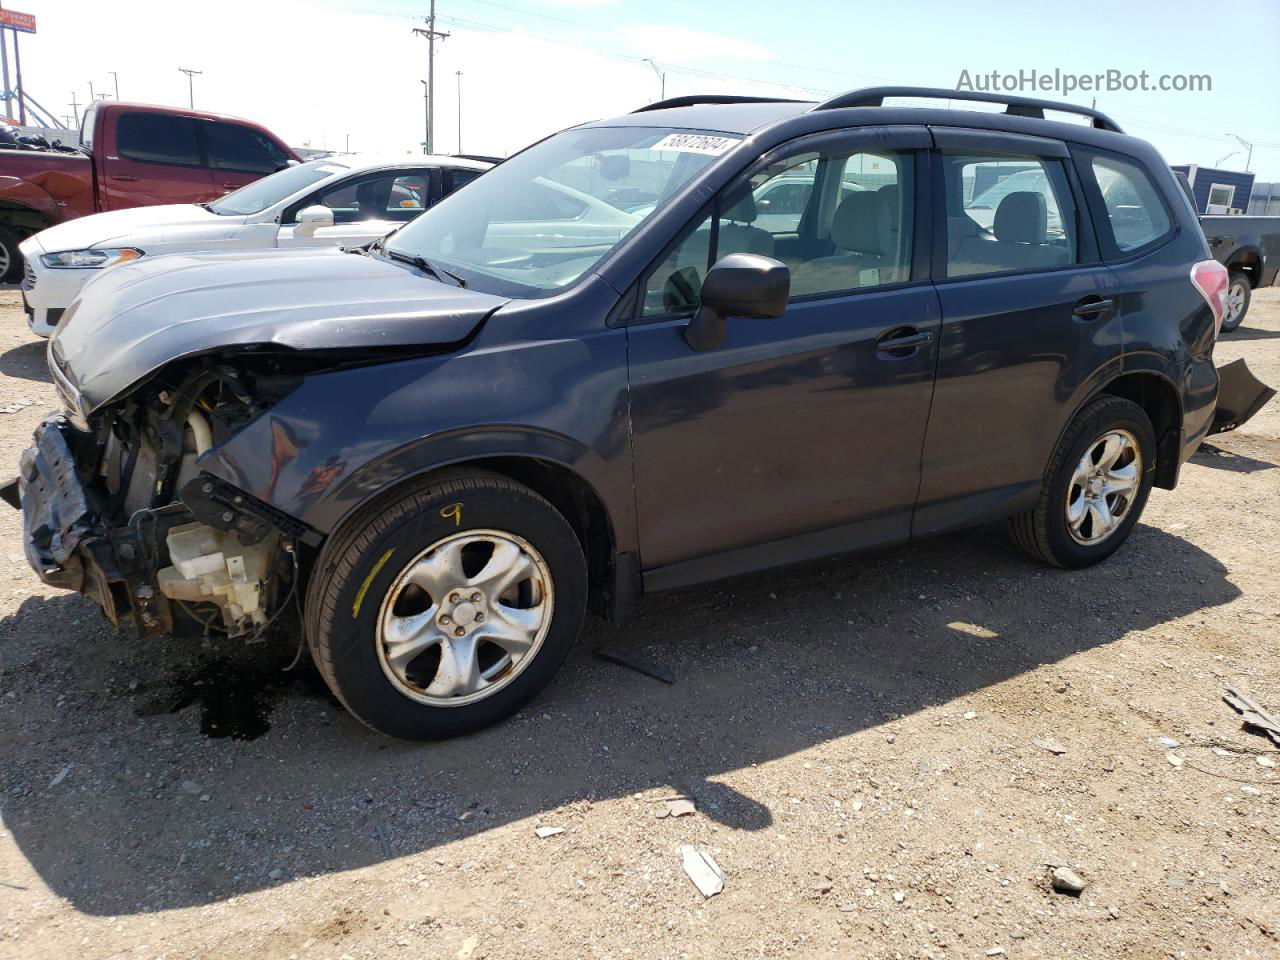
(859, 736)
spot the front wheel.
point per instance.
(10, 256)
(1095, 487)
(1239, 291)
(446, 609)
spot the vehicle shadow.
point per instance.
(122, 806)
(1252, 333)
(1211, 455)
(26, 362)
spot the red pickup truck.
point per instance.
(130, 155)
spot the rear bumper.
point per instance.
(1240, 396)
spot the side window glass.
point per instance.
(1136, 213)
(355, 200)
(675, 285)
(157, 138)
(233, 147)
(855, 210)
(456, 179)
(1007, 214)
(408, 197)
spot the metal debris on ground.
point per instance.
(702, 869)
(1254, 716)
(544, 832)
(1169, 743)
(638, 664)
(1051, 745)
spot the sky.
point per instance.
(329, 74)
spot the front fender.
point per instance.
(345, 436)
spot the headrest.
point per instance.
(862, 223)
(742, 208)
(1022, 217)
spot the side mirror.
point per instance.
(739, 285)
(310, 219)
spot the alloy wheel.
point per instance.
(465, 617)
(1103, 487)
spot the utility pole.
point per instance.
(75, 108)
(458, 74)
(191, 89)
(116, 77)
(432, 34)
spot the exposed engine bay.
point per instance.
(122, 513)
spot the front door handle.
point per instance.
(1091, 307)
(229, 186)
(903, 341)
(124, 179)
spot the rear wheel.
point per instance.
(1095, 487)
(1239, 290)
(447, 608)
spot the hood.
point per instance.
(100, 228)
(137, 317)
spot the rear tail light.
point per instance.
(1210, 278)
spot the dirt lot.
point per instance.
(859, 736)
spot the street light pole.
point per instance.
(191, 87)
(662, 77)
(116, 77)
(1244, 143)
(458, 74)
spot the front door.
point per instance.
(1029, 324)
(365, 207)
(806, 428)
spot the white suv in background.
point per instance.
(346, 200)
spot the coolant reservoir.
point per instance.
(212, 566)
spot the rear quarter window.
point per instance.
(1136, 214)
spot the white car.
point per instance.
(333, 201)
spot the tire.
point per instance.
(10, 256)
(364, 595)
(1239, 292)
(1045, 531)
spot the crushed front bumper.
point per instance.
(66, 540)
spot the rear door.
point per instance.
(806, 428)
(154, 158)
(1030, 323)
(239, 154)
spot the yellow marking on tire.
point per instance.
(454, 512)
(364, 587)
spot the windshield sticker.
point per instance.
(696, 143)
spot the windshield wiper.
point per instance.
(425, 265)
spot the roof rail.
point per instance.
(1014, 106)
(710, 98)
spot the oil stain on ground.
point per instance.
(236, 695)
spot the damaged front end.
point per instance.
(116, 508)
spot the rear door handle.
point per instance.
(901, 341)
(1091, 308)
(123, 179)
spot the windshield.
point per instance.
(535, 224)
(268, 191)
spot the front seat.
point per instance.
(736, 235)
(372, 198)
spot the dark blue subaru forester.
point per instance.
(714, 335)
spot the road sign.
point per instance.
(26, 22)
